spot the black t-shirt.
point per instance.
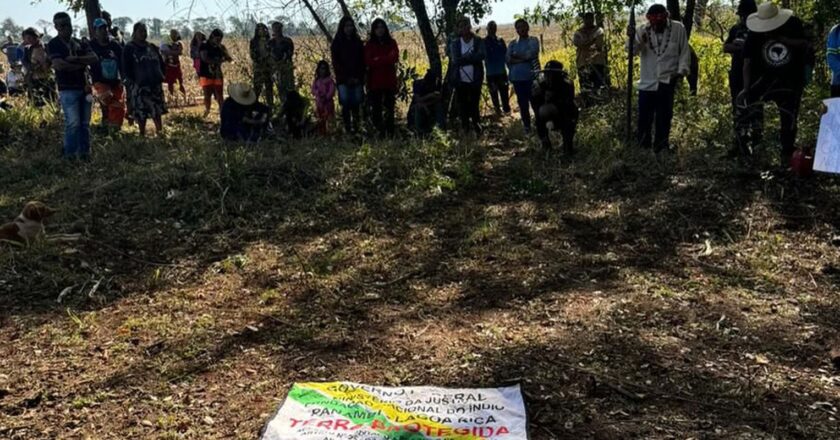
(109, 68)
(738, 32)
(143, 64)
(771, 60)
(232, 115)
(213, 69)
(60, 49)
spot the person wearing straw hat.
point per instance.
(243, 118)
(774, 56)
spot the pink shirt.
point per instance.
(323, 90)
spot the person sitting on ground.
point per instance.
(172, 49)
(212, 78)
(323, 90)
(774, 56)
(833, 57)
(37, 72)
(554, 98)
(143, 67)
(293, 115)
(591, 55)
(468, 54)
(107, 76)
(497, 77)
(426, 109)
(242, 117)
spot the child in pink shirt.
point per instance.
(323, 90)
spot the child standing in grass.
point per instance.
(323, 90)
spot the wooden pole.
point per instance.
(630, 66)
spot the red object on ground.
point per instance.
(802, 164)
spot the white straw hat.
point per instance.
(242, 93)
(768, 18)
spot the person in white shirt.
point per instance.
(662, 44)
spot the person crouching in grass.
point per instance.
(212, 79)
(143, 66)
(107, 76)
(242, 117)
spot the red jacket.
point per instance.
(381, 60)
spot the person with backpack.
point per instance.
(107, 76)
(143, 65)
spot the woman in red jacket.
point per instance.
(381, 57)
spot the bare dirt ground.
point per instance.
(631, 298)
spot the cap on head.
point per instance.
(99, 22)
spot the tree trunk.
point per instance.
(450, 16)
(688, 20)
(344, 9)
(92, 12)
(318, 20)
(700, 14)
(674, 9)
(429, 41)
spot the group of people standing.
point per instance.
(769, 51)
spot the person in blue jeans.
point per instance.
(70, 58)
(523, 58)
(348, 62)
(497, 77)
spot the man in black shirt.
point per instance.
(774, 60)
(753, 122)
(282, 54)
(70, 60)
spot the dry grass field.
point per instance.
(632, 297)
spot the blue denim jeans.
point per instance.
(525, 100)
(350, 96)
(76, 110)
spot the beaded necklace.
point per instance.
(656, 49)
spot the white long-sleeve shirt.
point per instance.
(675, 59)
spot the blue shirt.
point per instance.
(529, 49)
(833, 54)
(496, 56)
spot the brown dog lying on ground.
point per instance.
(28, 225)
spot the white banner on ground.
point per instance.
(827, 156)
(351, 411)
